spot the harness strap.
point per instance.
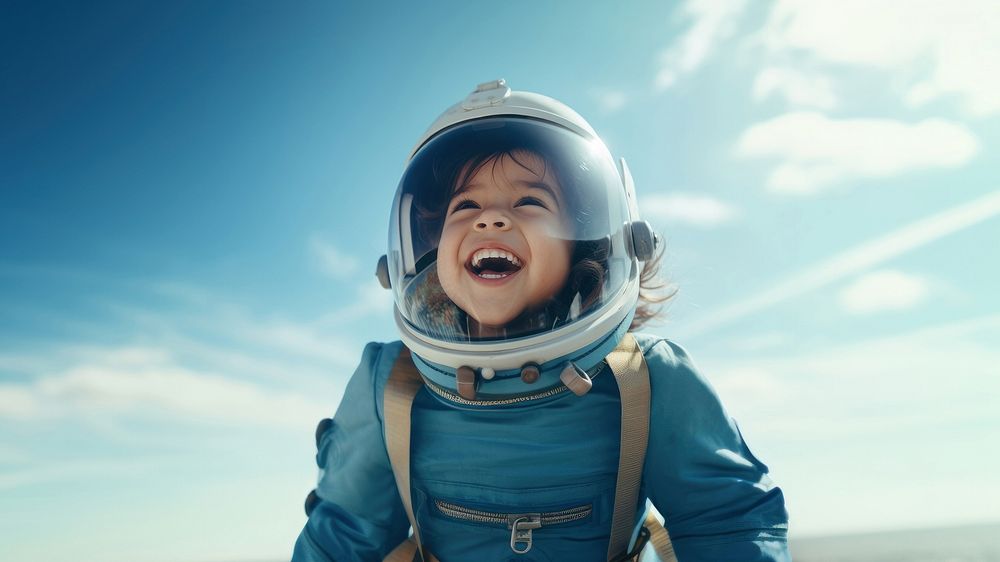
(403, 384)
(660, 539)
(632, 376)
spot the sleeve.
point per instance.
(717, 499)
(355, 512)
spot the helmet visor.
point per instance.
(506, 227)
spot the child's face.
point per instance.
(505, 245)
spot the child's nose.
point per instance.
(492, 220)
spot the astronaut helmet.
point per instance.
(514, 241)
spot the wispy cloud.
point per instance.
(180, 355)
(760, 341)
(300, 338)
(712, 22)
(884, 290)
(79, 470)
(797, 87)
(815, 394)
(856, 260)
(936, 49)
(913, 411)
(147, 382)
(611, 101)
(331, 260)
(816, 151)
(686, 208)
(240, 337)
(370, 300)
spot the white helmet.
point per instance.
(514, 245)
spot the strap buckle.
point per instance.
(633, 555)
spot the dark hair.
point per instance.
(654, 291)
(589, 261)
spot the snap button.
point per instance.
(530, 373)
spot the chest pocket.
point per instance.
(516, 525)
(521, 524)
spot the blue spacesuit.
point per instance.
(716, 497)
(515, 258)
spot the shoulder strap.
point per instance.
(660, 539)
(403, 385)
(629, 367)
(632, 376)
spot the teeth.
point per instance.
(480, 255)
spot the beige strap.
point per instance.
(403, 385)
(405, 552)
(660, 539)
(629, 367)
(632, 376)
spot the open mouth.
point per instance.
(492, 263)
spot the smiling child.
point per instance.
(521, 417)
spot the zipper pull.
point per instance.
(520, 530)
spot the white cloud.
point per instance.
(370, 299)
(856, 260)
(894, 413)
(797, 87)
(241, 341)
(18, 402)
(302, 339)
(686, 208)
(750, 384)
(713, 22)
(760, 341)
(611, 100)
(816, 151)
(899, 373)
(146, 382)
(374, 297)
(884, 290)
(935, 48)
(88, 471)
(331, 260)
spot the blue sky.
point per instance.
(193, 197)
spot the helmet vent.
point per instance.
(487, 94)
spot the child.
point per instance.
(516, 258)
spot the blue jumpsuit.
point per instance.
(555, 456)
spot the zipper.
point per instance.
(520, 524)
(452, 397)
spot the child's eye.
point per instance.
(465, 204)
(531, 201)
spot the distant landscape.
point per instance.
(974, 543)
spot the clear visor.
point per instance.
(504, 228)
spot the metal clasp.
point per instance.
(520, 531)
